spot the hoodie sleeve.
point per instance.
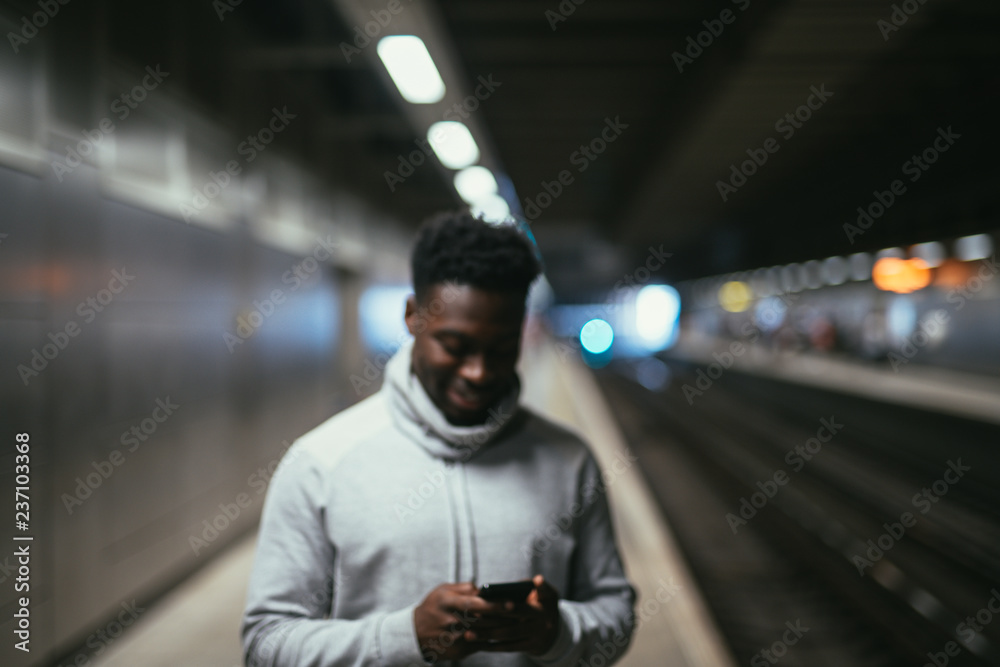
(292, 582)
(596, 616)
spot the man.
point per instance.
(381, 522)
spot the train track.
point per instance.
(802, 515)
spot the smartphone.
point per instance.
(516, 591)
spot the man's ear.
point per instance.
(412, 316)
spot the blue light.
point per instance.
(380, 311)
(596, 336)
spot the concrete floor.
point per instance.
(197, 625)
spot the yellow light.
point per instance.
(735, 296)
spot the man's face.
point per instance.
(466, 343)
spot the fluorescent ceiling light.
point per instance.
(890, 252)
(861, 266)
(474, 183)
(491, 208)
(969, 248)
(412, 69)
(835, 270)
(932, 252)
(453, 144)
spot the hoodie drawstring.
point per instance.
(455, 554)
(472, 527)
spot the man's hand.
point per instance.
(444, 617)
(530, 626)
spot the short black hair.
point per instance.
(457, 247)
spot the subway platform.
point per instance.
(197, 624)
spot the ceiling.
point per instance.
(564, 73)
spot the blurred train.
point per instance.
(933, 304)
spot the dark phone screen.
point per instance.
(514, 590)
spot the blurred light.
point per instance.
(952, 273)
(769, 314)
(759, 284)
(890, 252)
(596, 336)
(657, 308)
(900, 318)
(540, 296)
(932, 253)
(811, 274)
(834, 271)
(790, 278)
(380, 311)
(774, 280)
(861, 266)
(567, 319)
(474, 183)
(453, 144)
(491, 208)
(412, 69)
(652, 373)
(970, 248)
(935, 325)
(893, 274)
(735, 296)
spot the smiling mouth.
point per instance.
(468, 403)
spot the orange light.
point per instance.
(953, 273)
(893, 274)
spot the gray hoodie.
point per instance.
(377, 506)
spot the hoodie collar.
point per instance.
(416, 415)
